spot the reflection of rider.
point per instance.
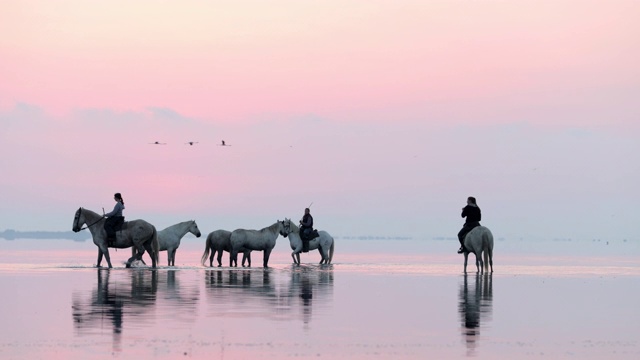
(114, 218)
(473, 215)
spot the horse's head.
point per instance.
(78, 220)
(285, 227)
(194, 229)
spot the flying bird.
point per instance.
(157, 143)
(191, 142)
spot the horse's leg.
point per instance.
(323, 256)
(490, 254)
(478, 263)
(466, 257)
(265, 258)
(213, 254)
(220, 253)
(139, 248)
(294, 254)
(149, 248)
(233, 258)
(105, 251)
(99, 257)
(246, 255)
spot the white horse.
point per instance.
(217, 242)
(251, 240)
(324, 243)
(137, 233)
(479, 241)
(169, 238)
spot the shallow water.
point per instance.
(381, 299)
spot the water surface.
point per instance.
(380, 299)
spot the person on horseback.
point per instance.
(473, 215)
(306, 229)
(114, 218)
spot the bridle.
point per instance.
(77, 218)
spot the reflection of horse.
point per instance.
(219, 241)
(307, 282)
(241, 291)
(479, 241)
(169, 238)
(182, 298)
(137, 233)
(295, 293)
(255, 240)
(475, 304)
(324, 243)
(127, 296)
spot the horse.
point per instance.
(169, 238)
(136, 233)
(220, 241)
(324, 243)
(479, 241)
(242, 240)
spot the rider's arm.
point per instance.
(114, 211)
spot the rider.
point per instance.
(114, 218)
(473, 215)
(306, 229)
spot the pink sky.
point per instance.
(406, 107)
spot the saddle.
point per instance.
(122, 226)
(312, 235)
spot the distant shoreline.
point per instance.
(11, 234)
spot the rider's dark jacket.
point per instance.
(472, 213)
(307, 221)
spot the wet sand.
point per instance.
(387, 301)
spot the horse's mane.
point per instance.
(90, 211)
(273, 227)
(294, 227)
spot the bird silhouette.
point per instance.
(223, 144)
(157, 143)
(191, 142)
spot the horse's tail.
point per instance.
(333, 241)
(207, 248)
(155, 246)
